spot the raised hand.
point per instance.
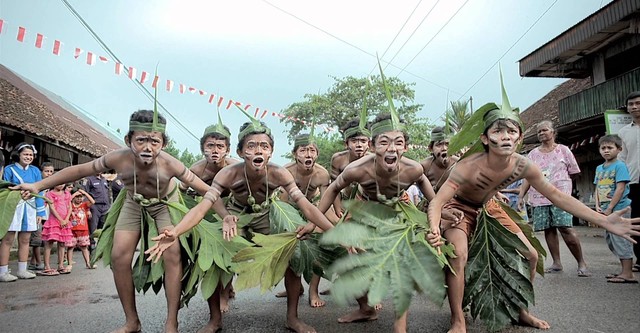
(163, 242)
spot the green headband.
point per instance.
(146, 127)
(439, 136)
(303, 141)
(496, 114)
(217, 129)
(383, 126)
(255, 127)
(356, 131)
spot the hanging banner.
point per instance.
(615, 120)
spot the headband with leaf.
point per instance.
(217, 129)
(154, 126)
(309, 139)
(387, 125)
(362, 125)
(255, 127)
(482, 119)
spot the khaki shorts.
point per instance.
(130, 216)
(259, 224)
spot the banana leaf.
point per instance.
(527, 230)
(308, 255)
(497, 281)
(8, 201)
(398, 259)
(105, 241)
(266, 263)
(471, 130)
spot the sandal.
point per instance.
(584, 273)
(48, 272)
(65, 270)
(636, 268)
(91, 267)
(611, 276)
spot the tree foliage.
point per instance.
(457, 115)
(186, 157)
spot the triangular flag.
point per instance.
(56, 47)
(103, 59)
(39, 40)
(77, 53)
(91, 59)
(154, 84)
(143, 77)
(1, 25)
(246, 106)
(169, 85)
(229, 104)
(21, 32)
(132, 73)
(211, 98)
(118, 68)
(220, 101)
(182, 88)
(202, 92)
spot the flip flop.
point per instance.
(64, 270)
(618, 279)
(48, 272)
(583, 273)
(636, 268)
(553, 270)
(611, 276)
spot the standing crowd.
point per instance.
(460, 194)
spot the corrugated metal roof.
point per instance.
(564, 55)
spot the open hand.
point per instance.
(229, 227)
(25, 190)
(621, 226)
(163, 242)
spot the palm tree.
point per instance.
(457, 115)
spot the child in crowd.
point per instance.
(79, 226)
(612, 190)
(57, 229)
(511, 192)
(35, 241)
(24, 219)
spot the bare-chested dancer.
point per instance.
(471, 186)
(384, 175)
(313, 180)
(215, 146)
(251, 182)
(146, 172)
(438, 165)
(356, 141)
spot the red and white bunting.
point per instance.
(169, 85)
(56, 47)
(255, 114)
(202, 92)
(211, 98)
(91, 59)
(132, 73)
(144, 77)
(220, 101)
(182, 88)
(154, 84)
(1, 25)
(264, 113)
(229, 104)
(103, 59)
(192, 90)
(77, 52)
(118, 68)
(39, 40)
(21, 32)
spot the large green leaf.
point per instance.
(398, 259)
(105, 241)
(497, 277)
(527, 230)
(471, 130)
(8, 201)
(214, 249)
(266, 263)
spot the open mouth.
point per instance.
(443, 155)
(390, 160)
(257, 161)
(146, 155)
(308, 163)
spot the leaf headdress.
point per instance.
(387, 125)
(362, 125)
(217, 129)
(482, 119)
(253, 128)
(154, 126)
(305, 140)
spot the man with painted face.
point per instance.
(147, 173)
(356, 141)
(471, 187)
(251, 183)
(383, 176)
(313, 180)
(438, 165)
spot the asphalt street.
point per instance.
(86, 301)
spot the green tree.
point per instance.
(344, 100)
(457, 115)
(186, 157)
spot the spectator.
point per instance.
(35, 240)
(80, 210)
(98, 187)
(630, 155)
(415, 194)
(57, 229)
(558, 165)
(24, 220)
(511, 192)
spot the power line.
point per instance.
(139, 85)
(354, 46)
(509, 49)
(434, 36)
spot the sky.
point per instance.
(270, 53)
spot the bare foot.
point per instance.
(232, 293)
(168, 328)
(283, 294)
(211, 327)
(299, 326)
(129, 328)
(527, 319)
(458, 327)
(378, 307)
(315, 301)
(359, 315)
(326, 292)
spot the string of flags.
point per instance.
(144, 77)
(584, 142)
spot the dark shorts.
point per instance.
(470, 218)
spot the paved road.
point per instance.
(86, 301)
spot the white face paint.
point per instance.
(389, 148)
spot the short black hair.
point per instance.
(632, 95)
(435, 130)
(245, 125)
(301, 137)
(353, 123)
(501, 123)
(611, 138)
(46, 165)
(15, 154)
(385, 116)
(146, 116)
(216, 136)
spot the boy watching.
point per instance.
(147, 174)
(35, 241)
(612, 191)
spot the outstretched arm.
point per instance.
(330, 195)
(425, 186)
